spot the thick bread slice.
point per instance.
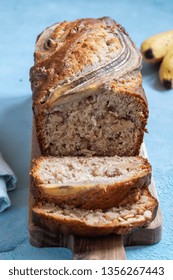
(90, 182)
(118, 220)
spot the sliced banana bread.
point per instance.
(119, 220)
(90, 182)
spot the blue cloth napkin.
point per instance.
(7, 183)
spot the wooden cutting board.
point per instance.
(102, 248)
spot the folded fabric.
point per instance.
(7, 183)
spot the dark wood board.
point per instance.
(108, 248)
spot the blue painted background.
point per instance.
(20, 23)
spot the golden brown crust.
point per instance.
(75, 45)
(67, 225)
(78, 44)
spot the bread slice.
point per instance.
(118, 220)
(90, 182)
(88, 98)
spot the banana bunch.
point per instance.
(159, 48)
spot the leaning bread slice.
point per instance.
(90, 182)
(118, 220)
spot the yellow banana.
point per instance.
(166, 70)
(155, 48)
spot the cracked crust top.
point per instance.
(82, 54)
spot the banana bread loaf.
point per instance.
(87, 90)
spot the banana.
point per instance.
(166, 70)
(155, 48)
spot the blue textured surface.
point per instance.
(21, 21)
